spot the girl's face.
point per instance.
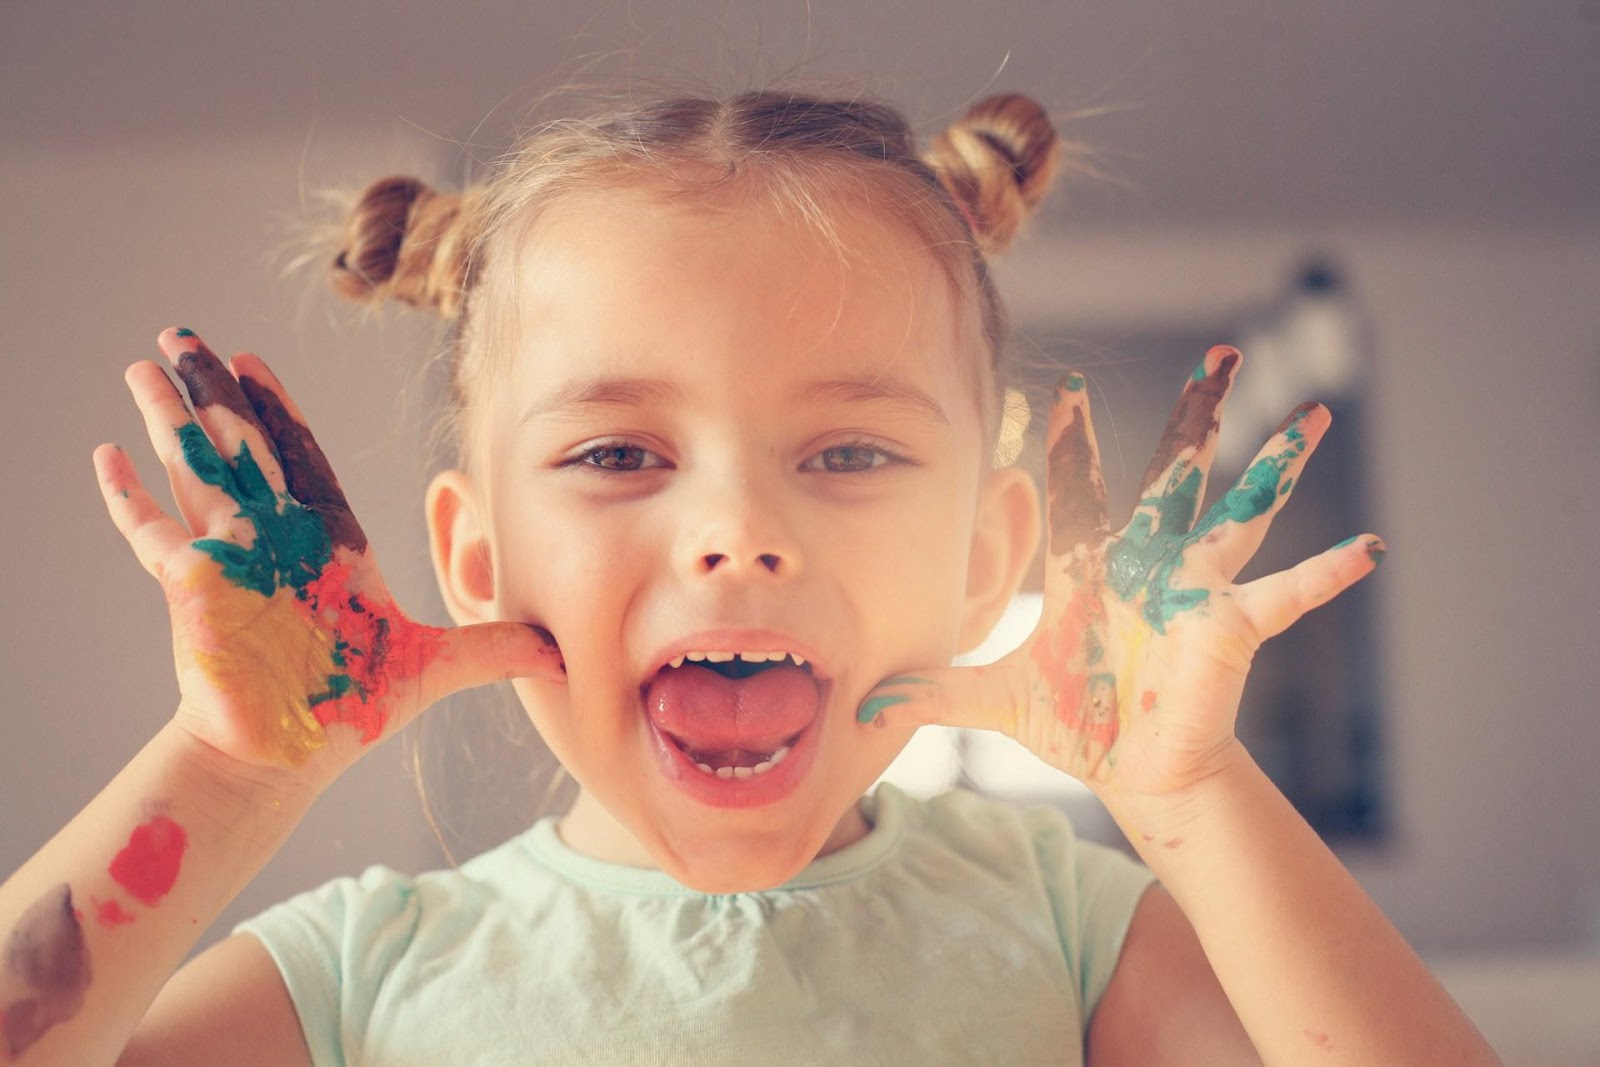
(719, 435)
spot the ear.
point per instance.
(458, 540)
(1005, 536)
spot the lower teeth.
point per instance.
(745, 772)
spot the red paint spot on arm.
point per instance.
(111, 913)
(148, 866)
(1148, 701)
(1319, 1040)
(1176, 842)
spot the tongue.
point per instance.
(710, 713)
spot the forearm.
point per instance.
(98, 920)
(1308, 961)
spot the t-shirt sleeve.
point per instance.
(1094, 890)
(333, 946)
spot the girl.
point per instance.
(726, 391)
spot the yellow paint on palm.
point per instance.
(1130, 637)
(272, 651)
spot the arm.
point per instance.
(1314, 970)
(100, 918)
(1163, 1005)
(228, 1005)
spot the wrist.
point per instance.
(236, 790)
(1157, 818)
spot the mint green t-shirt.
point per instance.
(959, 930)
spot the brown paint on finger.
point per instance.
(306, 471)
(1077, 495)
(1193, 419)
(47, 956)
(212, 384)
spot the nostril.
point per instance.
(769, 561)
(713, 561)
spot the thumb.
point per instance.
(991, 697)
(480, 653)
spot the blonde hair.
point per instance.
(965, 198)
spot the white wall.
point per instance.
(1485, 429)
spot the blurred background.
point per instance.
(1389, 207)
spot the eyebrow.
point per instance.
(602, 391)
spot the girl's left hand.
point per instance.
(1131, 681)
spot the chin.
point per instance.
(723, 866)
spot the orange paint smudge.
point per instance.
(1148, 700)
(1319, 1040)
(1176, 842)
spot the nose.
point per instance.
(735, 530)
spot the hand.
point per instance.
(1131, 681)
(290, 651)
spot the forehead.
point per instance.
(629, 274)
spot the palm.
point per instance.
(282, 625)
(1132, 679)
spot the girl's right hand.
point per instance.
(291, 655)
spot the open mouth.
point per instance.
(734, 715)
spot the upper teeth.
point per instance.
(747, 657)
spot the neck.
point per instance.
(588, 827)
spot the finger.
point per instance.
(1277, 601)
(1073, 486)
(991, 697)
(149, 531)
(229, 420)
(1182, 461)
(306, 471)
(468, 656)
(1236, 524)
(202, 483)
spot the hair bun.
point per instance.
(407, 242)
(997, 161)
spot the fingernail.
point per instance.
(1376, 551)
(872, 707)
(1073, 383)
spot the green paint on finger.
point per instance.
(1347, 541)
(1376, 551)
(184, 331)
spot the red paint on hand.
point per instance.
(1148, 701)
(381, 640)
(148, 866)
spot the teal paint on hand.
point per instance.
(291, 545)
(1347, 541)
(1147, 555)
(1199, 374)
(184, 331)
(872, 706)
(1376, 552)
(1073, 383)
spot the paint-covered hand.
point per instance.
(290, 651)
(1131, 681)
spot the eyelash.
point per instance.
(883, 457)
